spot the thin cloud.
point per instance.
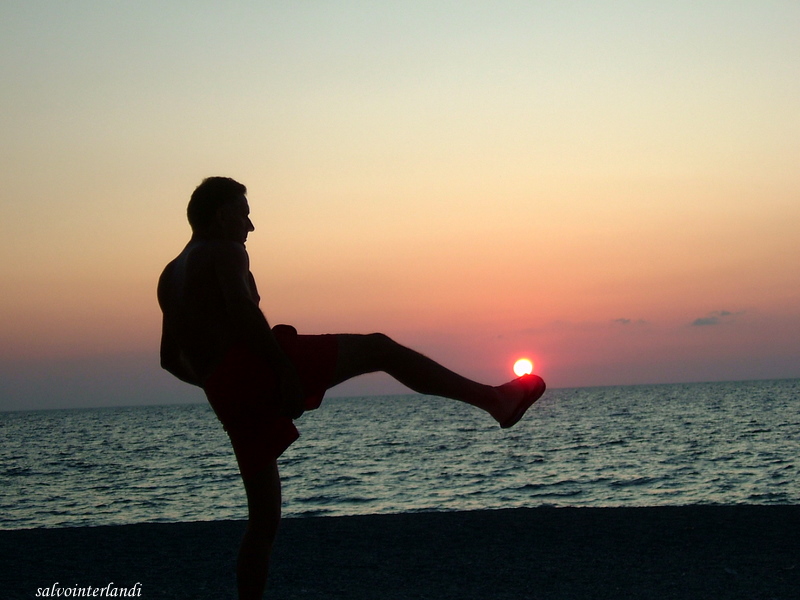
(703, 321)
(628, 322)
(715, 318)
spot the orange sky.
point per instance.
(613, 192)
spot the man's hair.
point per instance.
(212, 193)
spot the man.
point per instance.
(258, 378)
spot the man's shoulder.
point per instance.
(201, 259)
(222, 257)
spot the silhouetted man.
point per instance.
(258, 379)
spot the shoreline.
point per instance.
(681, 552)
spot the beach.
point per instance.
(695, 552)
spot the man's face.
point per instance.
(234, 220)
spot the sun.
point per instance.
(522, 367)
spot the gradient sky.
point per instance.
(611, 188)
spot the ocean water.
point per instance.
(711, 443)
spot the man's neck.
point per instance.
(204, 237)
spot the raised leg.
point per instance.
(264, 515)
(360, 354)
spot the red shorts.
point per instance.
(243, 391)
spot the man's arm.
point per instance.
(250, 324)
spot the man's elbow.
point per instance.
(179, 369)
(166, 362)
(171, 366)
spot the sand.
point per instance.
(697, 552)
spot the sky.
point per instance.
(608, 188)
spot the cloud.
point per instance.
(625, 322)
(714, 318)
(706, 321)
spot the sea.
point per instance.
(649, 445)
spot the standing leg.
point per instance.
(264, 515)
(359, 354)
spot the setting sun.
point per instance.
(523, 367)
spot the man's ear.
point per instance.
(223, 214)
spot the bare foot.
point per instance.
(516, 397)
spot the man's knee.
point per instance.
(262, 525)
(379, 341)
(363, 353)
(379, 348)
(264, 497)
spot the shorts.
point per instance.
(244, 392)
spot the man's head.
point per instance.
(219, 207)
